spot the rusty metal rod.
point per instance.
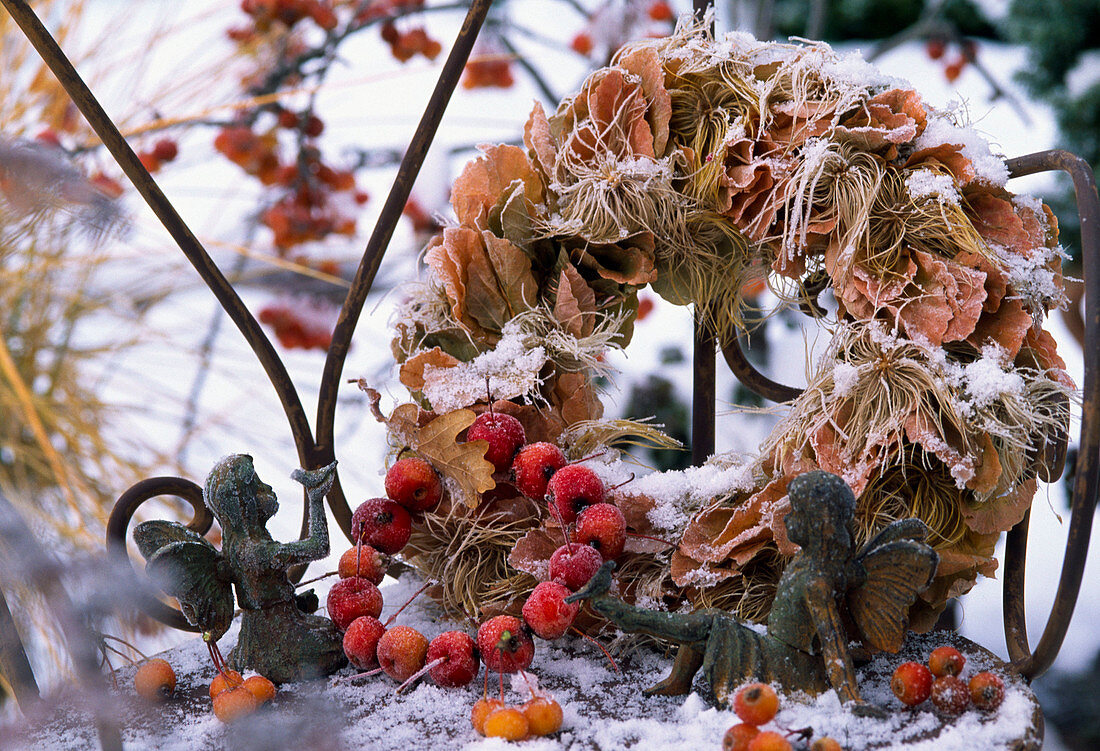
(1087, 472)
(703, 390)
(113, 140)
(14, 664)
(324, 452)
(119, 521)
(753, 378)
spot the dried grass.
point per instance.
(748, 595)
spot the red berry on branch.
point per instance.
(166, 149)
(954, 70)
(382, 523)
(661, 11)
(363, 561)
(574, 565)
(505, 645)
(414, 484)
(582, 43)
(935, 47)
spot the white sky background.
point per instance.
(375, 101)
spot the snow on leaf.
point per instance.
(437, 441)
(412, 370)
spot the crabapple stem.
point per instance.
(317, 579)
(407, 603)
(528, 682)
(416, 676)
(601, 647)
(365, 674)
(624, 482)
(564, 528)
(501, 686)
(653, 539)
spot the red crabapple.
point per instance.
(352, 597)
(546, 611)
(987, 690)
(504, 433)
(401, 652)
(364, 561)
(382, 523)
(504, 644)
(361, 641)
(950, 695)
(756, 703)
(460, 655)
(911, 683)
(572, 488)
(533, 467)
(574, 565)
(603, 527)
(946, 661)
(414, 484)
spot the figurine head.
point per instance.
(241, 502)
(822, 506)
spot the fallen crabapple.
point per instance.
(544, 715)
(756, 703)
(738, 737)
(505, 645)
(382, 523)
(225, 679)
(504, 434)
(574, 565)
(573, 487)
(413, 483)
(155, 680)
(353, 597)
(533, 467)
(481, 709)
(603, 527)
(946, 660)
(508, 723)
(546, 611)
(950, 695)
(987, 690)
(361, 641)
(260, 687)
(911, 683)
(401, 652)
(769, 740)
(234, 703)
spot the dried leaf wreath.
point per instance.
(695, 166)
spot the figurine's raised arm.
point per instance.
(317, 483)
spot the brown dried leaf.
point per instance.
(646, 64)
(575, 303)
(1000, 514)
(538, 138)
(512, 273)
(951, 157)
(412, 370)
(437, 441)
(483, 180)
(532, 552)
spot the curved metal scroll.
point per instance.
(119, 523)
(1085, 487)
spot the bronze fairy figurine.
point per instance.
(277, 638)
(828, 595)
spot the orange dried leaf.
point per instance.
(412, 370)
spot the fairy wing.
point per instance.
(153, 535)
(190, 569)
(894, 567)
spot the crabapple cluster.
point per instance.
(541, 715)
(164, 150)
(941, 681)
(936, 48)
(381, 527)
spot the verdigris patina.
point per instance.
(277, 639)
(829, 594)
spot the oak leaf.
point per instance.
(463, 463)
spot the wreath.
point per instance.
(700, 166)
